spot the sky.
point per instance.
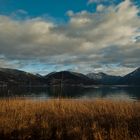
(42, 36)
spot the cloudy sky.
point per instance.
(42, 36)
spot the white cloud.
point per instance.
(100, 1)
(88, 41)
(20, 12)
(100, 8)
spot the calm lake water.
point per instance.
(111, 92)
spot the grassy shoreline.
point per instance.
(68, 119)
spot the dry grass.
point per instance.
(69, 120)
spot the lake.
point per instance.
(109, 92)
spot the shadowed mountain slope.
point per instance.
(67, 77)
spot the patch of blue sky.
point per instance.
(50, 8)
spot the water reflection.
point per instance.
(112, 92)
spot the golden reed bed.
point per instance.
(69, 120)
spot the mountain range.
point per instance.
(104, 79)
(10, 77)
(132, 78)
(70, 78)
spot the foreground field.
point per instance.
(69, 120)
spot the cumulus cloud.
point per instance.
(100, 8)
(101, 1)
(87, 42)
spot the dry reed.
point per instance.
(68, 119)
